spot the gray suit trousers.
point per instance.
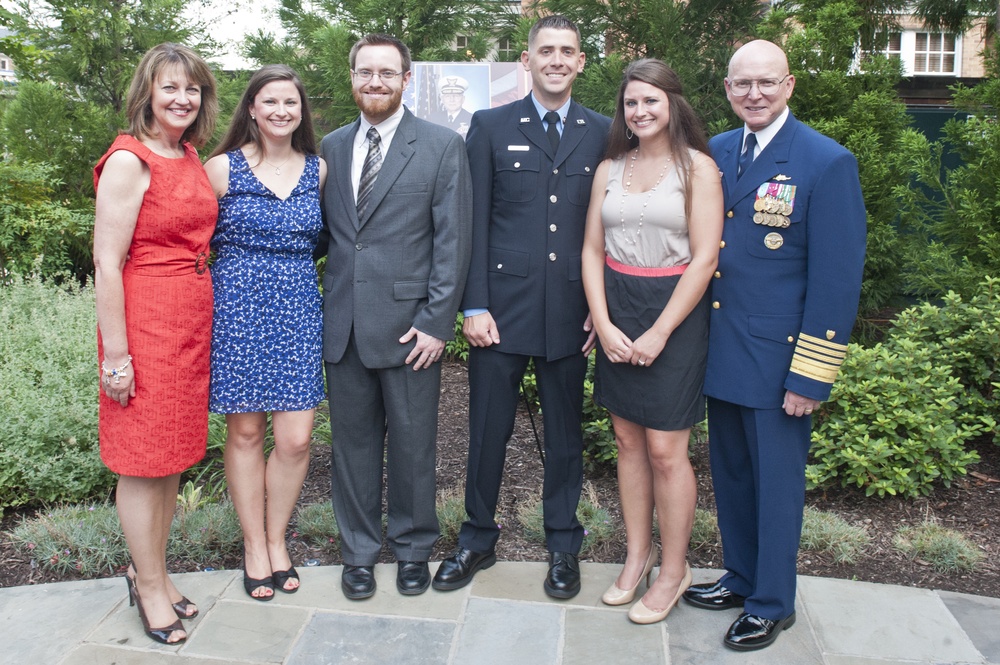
(365, 404)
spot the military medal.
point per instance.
(758, 217)
(758, 205)
(773, 240)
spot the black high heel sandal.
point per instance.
(161, 635)
(281, 578)
(250, 584)
(180, 607)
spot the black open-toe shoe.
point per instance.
(250, 584)
(180, 607)
(281, 578)
(161, 635)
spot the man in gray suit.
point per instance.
(398, 208)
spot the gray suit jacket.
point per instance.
(405, 262)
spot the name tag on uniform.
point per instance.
(517, 148)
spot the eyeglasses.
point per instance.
(741, 87)
(384, 75)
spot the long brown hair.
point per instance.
(243, 129)
(138, 102)
(685, 129)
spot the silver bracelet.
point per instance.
(117, 373)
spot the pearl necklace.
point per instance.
(628, 183)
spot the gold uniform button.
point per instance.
(553, 198)
(716, 305)
(552, 256)
(790, 339)
(729, 214)
(718, 274)
(722, 244)
(553, 228)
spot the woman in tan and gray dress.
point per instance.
(651, 247)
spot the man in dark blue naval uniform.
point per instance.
(784, 300)
(532, 164)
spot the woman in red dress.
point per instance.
(155, 216)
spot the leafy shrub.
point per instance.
(893, 423)
(704, 530)
(965, 335)
(833, 535)
(945, 549)
(451, 514)
(318, 525)
(458, 348)
(84, 539)
(38, 233)
(596, 521)
(48, 395)
(206, 533)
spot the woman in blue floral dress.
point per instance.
(267, 332)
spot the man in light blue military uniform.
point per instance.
(784, 300)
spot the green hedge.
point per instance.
(48, 395)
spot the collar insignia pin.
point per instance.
(523, 120)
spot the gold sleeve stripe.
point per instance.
(804, 345)
(832, 347)
(823, 372)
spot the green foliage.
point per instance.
(450, 514)
(206, 533)
(599, 445)
(457, 348)
(893, 424)
(704, 530)
(695, 38)
(945, 549)
(74, 539)
(597, 525)
(88, 539)
(951, 215)
(832, 535)
(38, 234)
(317, 524)
(964, 335)
(48, 395)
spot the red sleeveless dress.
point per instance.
(168, 319)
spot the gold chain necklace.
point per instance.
(277, 168)
(642, 213)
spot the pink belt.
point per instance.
(636, 271)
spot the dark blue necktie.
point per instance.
(553, 131)
(746, 159)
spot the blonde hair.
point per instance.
(138, 104)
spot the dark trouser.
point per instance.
(494, 378)
(364, 404)
(758, 461)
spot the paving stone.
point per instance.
(101, 654)
(333, 638)
(514, 580)
(858, 660)
(607, 636)
(42, 623)
(499, 632)
(980, 618)
(249, 630)
(884, 621)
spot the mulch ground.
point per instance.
(971, 506)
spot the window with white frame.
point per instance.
(461, 41)
(506, 49)
(934, 53)
(4, 63)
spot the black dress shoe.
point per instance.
(563, 580)
(751, 632)
(713, 596)
(358, 582)
(457, 570)
(412, 577)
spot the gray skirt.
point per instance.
(667, 394)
